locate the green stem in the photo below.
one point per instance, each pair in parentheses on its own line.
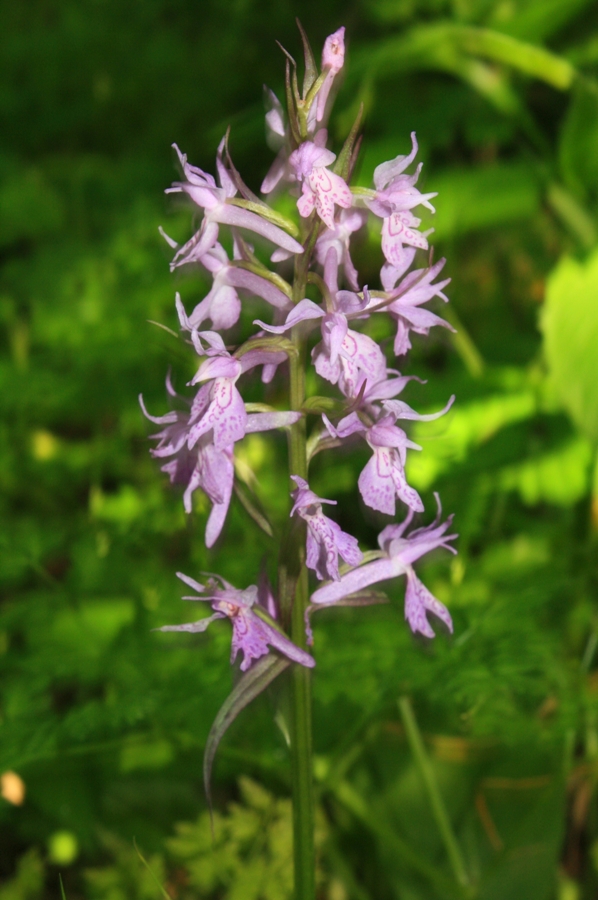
(297,585)
(435,797)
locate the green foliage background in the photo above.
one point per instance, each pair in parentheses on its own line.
(104,721)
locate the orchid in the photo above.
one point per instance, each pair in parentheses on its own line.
(198,462)
(414,289)
(321,188)
(222,304)
(253,633)
(325,539)
(332,249)
(383,478)
(399,552)
(317,321)
(394,198)
(219,209)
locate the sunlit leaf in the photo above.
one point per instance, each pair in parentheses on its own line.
(570,327)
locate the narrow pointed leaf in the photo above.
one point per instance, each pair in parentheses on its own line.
(291,106)
(273,343)
(258,269)
(251,506)
(313,91)
(319,404)
(266,212)
(311,69)
(157,881)
(345,159)
(250,685)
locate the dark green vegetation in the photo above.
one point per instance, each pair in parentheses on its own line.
(105,721)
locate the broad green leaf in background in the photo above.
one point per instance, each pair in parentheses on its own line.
(578,149)
(570,327)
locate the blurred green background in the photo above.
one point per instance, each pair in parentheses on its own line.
(102,723)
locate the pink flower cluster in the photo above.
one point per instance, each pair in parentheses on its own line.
(198,440)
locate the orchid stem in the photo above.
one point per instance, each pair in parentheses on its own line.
(300,711)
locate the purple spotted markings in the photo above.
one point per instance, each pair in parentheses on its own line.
(321,188)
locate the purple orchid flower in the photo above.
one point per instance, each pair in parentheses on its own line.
(343,354)
(198,460)
(325,539)
(218,406)
(393,200)
(253,629)
(333,60)
(321,188)
(337,240)
(276,135)
(383,478)
(203,191)
(413,290)
(399,552)
(222,304)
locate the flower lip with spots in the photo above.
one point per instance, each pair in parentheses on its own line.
(321,189)
(325,539)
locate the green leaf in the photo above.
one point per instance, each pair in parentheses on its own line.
(450,439)
(346,158)
(252,507)
(482,197)
(578,151)
(319,405)
(273,343)
(261,674)
(441,44)
(561,476)
(266,212)
(535,20)
(570,327)
(527,58)
(311,69)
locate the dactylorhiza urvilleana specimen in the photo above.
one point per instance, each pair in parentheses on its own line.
(198,436)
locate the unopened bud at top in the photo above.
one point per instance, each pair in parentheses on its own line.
(333,54)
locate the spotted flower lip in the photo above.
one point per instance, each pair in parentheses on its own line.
(383,478)
(398,552)
(321,189)
(325,539)
(254,632)
(394,197)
